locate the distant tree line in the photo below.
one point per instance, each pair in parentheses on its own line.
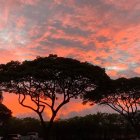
(101,126)
(51,82)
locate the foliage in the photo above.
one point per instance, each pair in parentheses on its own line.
(50,82)
(5,113)
(123,96)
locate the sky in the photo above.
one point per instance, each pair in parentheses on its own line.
(102,32)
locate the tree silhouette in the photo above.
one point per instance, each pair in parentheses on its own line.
(5,113)
(1,97)
(123,96)
(50,82)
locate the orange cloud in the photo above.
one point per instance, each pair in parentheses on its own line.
(137,70)
(11,101)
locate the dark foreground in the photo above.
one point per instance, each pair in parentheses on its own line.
(91,127)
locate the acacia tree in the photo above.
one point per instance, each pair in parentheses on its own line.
(123,96)
(50,82)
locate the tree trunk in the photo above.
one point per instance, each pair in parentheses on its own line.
(135,127)
(50,124)
(44,127)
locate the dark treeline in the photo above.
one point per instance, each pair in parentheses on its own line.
(98,126)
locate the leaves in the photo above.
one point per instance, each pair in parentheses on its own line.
(51,81)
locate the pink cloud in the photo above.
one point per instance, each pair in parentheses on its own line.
(137,70)
(21,21)
(105,33)
(29,2)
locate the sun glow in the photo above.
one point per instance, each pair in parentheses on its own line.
(117,68)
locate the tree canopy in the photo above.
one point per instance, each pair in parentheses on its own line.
(51,81)
(122,95)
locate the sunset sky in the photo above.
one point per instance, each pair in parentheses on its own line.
(102,32)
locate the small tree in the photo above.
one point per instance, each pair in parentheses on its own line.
(123,96)
(5,113)
(50,82)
